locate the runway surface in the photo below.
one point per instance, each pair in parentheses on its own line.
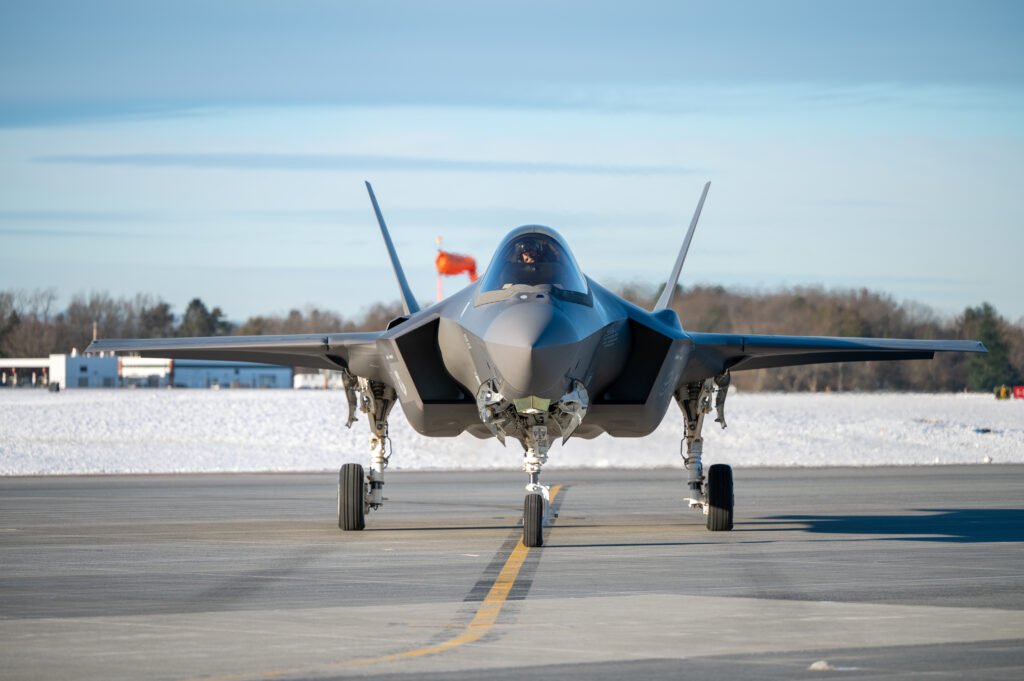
(881,573)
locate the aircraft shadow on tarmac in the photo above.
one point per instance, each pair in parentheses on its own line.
(442,528)
(940,525)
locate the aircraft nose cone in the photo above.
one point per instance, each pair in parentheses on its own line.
(531,325)
(530,344)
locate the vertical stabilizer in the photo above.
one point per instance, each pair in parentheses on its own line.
(409,303)
(665,300)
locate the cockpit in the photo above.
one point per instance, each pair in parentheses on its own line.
(535,256)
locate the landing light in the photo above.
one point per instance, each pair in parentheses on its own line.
(531,405)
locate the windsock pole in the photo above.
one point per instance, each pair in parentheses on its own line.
(440,284)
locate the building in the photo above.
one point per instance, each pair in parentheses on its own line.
(24,371)
(145,372)
(108,371)
(321,379)
(84,371)
(199,373)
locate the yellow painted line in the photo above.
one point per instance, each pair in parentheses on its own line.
(486,617)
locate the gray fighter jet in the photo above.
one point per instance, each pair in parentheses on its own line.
(535,350)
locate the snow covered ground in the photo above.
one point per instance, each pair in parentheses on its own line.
(142,431)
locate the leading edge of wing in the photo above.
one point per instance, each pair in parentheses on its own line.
(740,352)
(313,350)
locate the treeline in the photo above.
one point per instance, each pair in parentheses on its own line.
(820,312)
(32,326)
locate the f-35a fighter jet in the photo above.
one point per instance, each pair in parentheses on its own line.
(535,350)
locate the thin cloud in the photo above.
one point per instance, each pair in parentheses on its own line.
(60,216)
(856,203)
(466,217)
(348,162)
(729,97)
(71,233)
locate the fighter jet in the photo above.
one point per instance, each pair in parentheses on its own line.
(535,351)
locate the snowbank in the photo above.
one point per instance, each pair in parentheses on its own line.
(143,431)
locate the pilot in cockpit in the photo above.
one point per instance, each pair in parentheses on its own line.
(533,250)
(527,254)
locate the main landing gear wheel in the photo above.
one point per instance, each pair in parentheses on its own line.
(533,520)
(351,497)
(720,498)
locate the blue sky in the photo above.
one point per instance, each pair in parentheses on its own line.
(218,149)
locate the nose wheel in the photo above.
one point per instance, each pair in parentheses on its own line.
(533,520)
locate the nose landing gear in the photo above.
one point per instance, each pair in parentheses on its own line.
(529,420)
(538,497)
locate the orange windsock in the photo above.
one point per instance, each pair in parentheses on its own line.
(451,264)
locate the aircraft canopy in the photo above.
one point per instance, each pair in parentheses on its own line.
(534,256)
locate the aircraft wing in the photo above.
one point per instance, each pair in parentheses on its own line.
(355,351)
(314,350)
(716,353)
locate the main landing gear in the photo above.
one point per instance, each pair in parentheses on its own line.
(359,492)
(714,494)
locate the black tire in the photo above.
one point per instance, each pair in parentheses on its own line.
(351,508)
(533,520)
(720,498)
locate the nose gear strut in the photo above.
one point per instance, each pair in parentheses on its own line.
(536,455)
(537,504)
(532,427)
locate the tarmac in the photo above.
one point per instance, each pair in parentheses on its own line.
(863,573)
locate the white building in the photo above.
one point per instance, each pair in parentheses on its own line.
(84,371)
(24,371)
(318,380)
(146,372)
(108,371)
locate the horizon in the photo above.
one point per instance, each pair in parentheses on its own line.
(620,288)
